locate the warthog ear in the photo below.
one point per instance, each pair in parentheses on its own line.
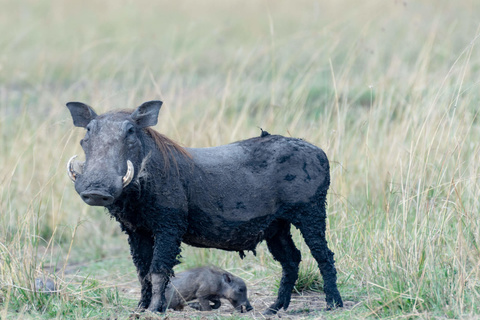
(227,278)
(147,114)
(81,113)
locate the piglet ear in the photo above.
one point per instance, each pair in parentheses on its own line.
(227,278)
(81,113)
(147,114)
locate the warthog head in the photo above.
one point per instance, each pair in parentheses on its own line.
(235,291)
(113,150)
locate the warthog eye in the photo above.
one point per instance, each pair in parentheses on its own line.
(128,128)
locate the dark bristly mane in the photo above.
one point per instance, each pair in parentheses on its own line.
(166,145)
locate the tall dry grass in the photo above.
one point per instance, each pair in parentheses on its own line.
(390,90)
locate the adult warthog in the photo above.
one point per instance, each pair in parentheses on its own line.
(229,197)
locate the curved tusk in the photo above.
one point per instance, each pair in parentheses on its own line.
(127,178)
(71,173)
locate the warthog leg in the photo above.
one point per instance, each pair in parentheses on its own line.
(313,230)
(284,251)
(141,248)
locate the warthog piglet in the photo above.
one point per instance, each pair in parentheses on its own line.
(206,284)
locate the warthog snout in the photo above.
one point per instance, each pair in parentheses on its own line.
(97,198)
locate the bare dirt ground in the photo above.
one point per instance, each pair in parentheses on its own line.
(305,305)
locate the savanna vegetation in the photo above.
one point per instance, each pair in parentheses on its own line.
(389,89)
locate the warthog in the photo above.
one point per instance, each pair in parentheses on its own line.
(45,285)
(206,284)
(229,197)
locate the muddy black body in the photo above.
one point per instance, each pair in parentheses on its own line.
(229,197)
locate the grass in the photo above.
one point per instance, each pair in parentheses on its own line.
(390,90)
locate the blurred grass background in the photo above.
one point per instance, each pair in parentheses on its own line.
(389,89)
